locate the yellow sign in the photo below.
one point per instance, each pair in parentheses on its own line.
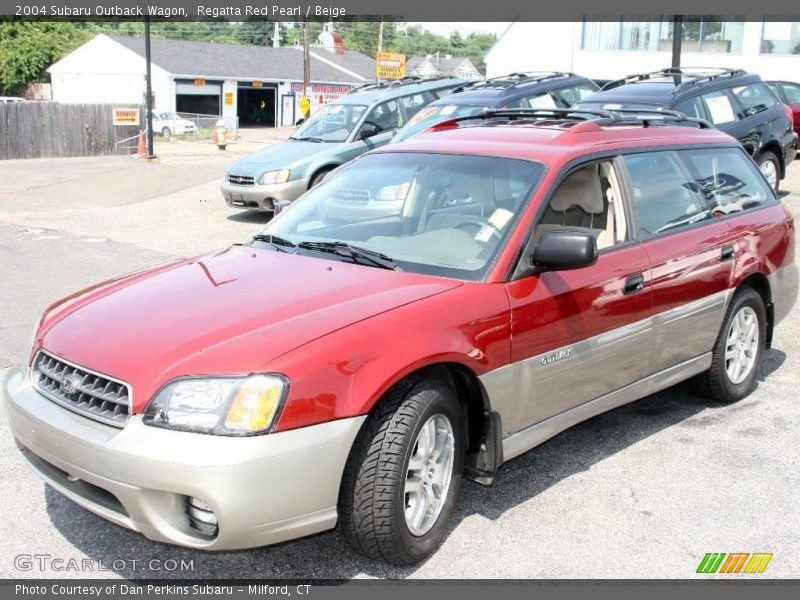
(126,116)
(305,105)
(228,98)
(199,81)
(257,84)
(390,65)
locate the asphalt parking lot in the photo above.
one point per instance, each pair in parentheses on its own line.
(641,492)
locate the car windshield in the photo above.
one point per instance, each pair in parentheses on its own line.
(431,115)
(438,214)
(331,123)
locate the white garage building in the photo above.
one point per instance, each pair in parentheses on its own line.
(258,84)
(611,49)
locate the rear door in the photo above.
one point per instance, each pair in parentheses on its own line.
(756,112)
(724,112)
(578,335)
(691,252)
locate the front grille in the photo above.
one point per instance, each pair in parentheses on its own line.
(241,180)
(90,394)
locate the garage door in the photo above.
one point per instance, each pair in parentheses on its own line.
(195,97)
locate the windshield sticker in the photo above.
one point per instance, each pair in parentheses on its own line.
(543,101)
(720,109)
(448,110)
(423,114)
(485,233)
(500,217)
(335,108)
(612,106)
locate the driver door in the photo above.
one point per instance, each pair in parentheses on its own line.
(387,118)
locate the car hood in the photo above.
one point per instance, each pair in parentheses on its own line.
(279,156)
(230,312)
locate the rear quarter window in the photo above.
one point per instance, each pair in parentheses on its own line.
(720,108)
(753,98)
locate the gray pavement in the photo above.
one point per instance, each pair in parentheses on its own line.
(641,492)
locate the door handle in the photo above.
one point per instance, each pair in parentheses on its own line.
(727,253)
(634,283)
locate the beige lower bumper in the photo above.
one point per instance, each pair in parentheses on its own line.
(263,489)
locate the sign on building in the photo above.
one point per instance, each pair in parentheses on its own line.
(126,116)
(321,93)
(390,65)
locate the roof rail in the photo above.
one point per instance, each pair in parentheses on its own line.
(565,116)
(697,75)
(393,83)
(511,80)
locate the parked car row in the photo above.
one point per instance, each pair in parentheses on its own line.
(736,102)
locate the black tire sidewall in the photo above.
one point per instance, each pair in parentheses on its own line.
(750,298)
(770,156)
(319,178)
(419,547)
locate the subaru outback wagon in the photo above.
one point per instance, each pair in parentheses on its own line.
(361,120)
(737,102)
(538,270)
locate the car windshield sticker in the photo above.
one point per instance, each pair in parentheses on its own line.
(424,114)
(612,106)
(449,109)
(500,217)
(485,233)
(720,109)
(543,101)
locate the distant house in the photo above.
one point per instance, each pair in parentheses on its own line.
(255,83)
(432,65)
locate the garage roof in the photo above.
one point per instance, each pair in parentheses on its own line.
(208,59)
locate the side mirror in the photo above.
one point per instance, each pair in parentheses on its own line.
(565,249)
(367,131)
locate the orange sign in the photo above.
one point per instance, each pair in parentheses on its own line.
(257,84)
(199,81)
(125,116)
(390,65)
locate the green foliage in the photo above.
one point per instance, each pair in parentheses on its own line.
(27,48)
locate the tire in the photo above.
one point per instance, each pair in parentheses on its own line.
(717,383)
(373,499)
(165,132)
(318,177)
(770,166)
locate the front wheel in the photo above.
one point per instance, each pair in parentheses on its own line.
(403,475)
(738,350)
(771,168)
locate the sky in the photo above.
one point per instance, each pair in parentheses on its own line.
(447,28)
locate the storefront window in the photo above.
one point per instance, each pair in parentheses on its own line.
(781,38)
(700,34)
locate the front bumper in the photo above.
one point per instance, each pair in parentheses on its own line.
(262,197)
(263,489)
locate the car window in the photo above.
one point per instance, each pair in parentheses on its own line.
(440,214)
(664,194)
(566,97)
(589,198)
(693,107)
(519,103)
(774,87)
(331,123)
(415,103)
(792,92)
(386,116)
(719,107)
(727,179)
(542,101)
(753,98)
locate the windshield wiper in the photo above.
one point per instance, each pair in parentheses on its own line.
(358,255)
(278,242)
(309,138)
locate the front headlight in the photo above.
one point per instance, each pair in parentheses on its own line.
(219,405)
(281,176)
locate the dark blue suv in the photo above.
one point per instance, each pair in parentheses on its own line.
(737,102)
(517,90)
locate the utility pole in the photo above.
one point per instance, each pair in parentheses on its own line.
(306,67)
(148,89)
(677,39)
(380,36)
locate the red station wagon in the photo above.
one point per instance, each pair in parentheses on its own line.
(533,269)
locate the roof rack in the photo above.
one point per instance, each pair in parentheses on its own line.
(571,116)
(512,80)
(702,74)
(393,83)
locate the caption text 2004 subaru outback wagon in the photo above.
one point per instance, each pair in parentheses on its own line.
(492,282)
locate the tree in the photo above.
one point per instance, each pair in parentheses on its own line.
(27,48)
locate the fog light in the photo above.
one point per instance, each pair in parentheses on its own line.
(202,517)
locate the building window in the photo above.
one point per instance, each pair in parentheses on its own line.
(700,34)
(780,38)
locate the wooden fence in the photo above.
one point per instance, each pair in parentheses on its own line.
(49,129)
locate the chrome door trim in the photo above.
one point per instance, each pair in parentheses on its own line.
(521,442)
